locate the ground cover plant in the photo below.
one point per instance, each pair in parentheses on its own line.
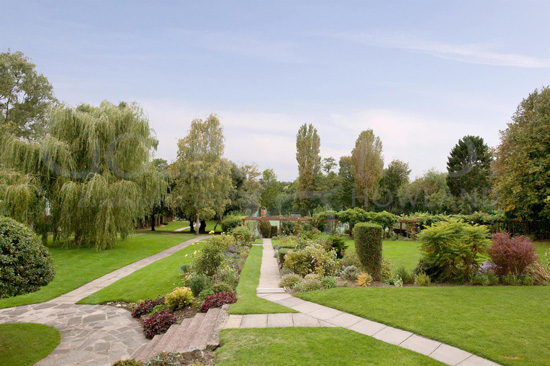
(247,301)
(310,346)
(76,267)
(24,344)
(504,324)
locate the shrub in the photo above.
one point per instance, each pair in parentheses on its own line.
(224,241)
(195,357)
(350,259)
(157,309)
(338,244)
(385,270)
(291,281)
(282,252)
(205,294)
(146,306)
(312,276)
(288,227)
(218,300)
(198,284)
(422,279)
(452,249)
(25,264)
(350,273)
(405,275)
(227,276)
(230,222)
(286,271)
(158,323)
(222,287)
(480,279)
(274,231)
(368,244)
(364,279)
(492,278)
(511,255)
(528,280)
(510,279)
(310,285)
(208,259)
(397,281)
(128,363)
(179,298)
(329,282)
(186,268)
(242,234)
(311,259)
(265,229)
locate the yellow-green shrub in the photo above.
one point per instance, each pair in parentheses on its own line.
(179,298)
(312,259)
(364,279)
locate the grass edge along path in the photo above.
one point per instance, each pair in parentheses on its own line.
(76,267)
(310,346)
(247,301)
(156,279)
(504,323)
(24,344)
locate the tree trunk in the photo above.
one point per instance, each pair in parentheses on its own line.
(202,228)
(152,222)
(191,226)
(197,225)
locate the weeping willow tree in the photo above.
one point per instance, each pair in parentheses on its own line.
(203,176)
(89,180)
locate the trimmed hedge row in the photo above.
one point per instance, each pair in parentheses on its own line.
(368,244)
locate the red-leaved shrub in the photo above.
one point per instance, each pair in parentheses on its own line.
(217,300)
(158,323)
(146,306)
(511,254)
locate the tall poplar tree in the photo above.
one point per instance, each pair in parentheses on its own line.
(204,176)
(367,164)
(89,180)
(309,164)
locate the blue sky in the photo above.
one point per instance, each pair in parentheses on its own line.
(421,74)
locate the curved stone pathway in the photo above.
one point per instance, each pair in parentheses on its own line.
(91,335)
(315,315)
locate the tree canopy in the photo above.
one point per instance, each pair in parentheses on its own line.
(367,164)
(90,178)
(523,160)
(25,97)
(309,163)
(203,175)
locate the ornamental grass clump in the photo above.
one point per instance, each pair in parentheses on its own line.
(368,244)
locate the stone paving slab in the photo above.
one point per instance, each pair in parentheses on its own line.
(280,320)
(420,344)
(474,360)
(449,355)
(392,335)
(254,321)
(344,320)
(304,320)
(233,321)
(367,327)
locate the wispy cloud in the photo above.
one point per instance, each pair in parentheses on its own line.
(474,53)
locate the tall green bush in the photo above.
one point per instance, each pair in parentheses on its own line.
(230,222)
(453,248)
(265,229)
(25,264)
(368,244)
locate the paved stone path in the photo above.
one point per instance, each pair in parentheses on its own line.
(91,335)
(314,315)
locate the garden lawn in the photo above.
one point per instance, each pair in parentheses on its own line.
(507,324)
(543,247)
(247,301)
(24,344)
(310,346)
(172,225)
(78,266)
(158,278)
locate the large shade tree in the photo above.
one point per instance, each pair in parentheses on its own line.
(367,164)
(523,160)
(203,175)
(89,180)
(25,97)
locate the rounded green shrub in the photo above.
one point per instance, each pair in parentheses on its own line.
(230,222)
(312,259)
(179,298)
(209,258)
(368,244)
(329,282)
(198,284)
(265,229)
(242,234)
(290,281)
(25,264)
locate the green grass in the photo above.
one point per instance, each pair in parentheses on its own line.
(310,346)
(248,302)
(156,279)
(25,344)
(542,248)
(172,225)
(509,325)
(78,266)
